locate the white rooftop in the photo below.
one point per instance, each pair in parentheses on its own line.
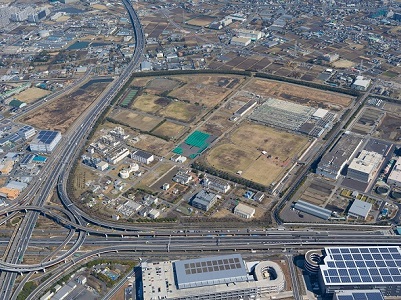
(360,208)
(366,162)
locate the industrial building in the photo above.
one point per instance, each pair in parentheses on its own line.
(361,84)
(335,160)
(254,35)
(359,268)
(142,156)
(204,200)
(182,177)
(313,210)
(313,258)
(45,141)
(395,175)
(365,166)
(359,209)
(118,155)
(219,277)
(26,132)
(245,108)
(244,211)
(240,41)
(216,184)
(358,295)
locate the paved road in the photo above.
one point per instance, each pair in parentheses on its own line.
(61,158)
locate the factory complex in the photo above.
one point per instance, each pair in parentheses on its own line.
(218,277)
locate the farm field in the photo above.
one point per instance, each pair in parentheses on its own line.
(136,120)
(242,152)
(299,94)
(169,130)
(182,111)
(147,103)
(207,90)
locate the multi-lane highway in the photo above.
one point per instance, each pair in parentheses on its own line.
(62,158)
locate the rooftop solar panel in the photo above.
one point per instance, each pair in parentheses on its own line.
(375,265)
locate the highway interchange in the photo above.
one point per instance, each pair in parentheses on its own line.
(112,237)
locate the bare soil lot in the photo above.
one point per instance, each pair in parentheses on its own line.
(159,85)
(207,90)
(201,21)
(149,103)
(61,113)
(298,94)
(170,130)
(136,120)
(182,111)
(32,94)
(389,128)
(242,152)
(154,145)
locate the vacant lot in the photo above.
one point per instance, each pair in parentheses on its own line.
(62,113)
(160,85)
(136,120)
(169,130)
(140,81)
(207,90)
(149,103)
(243,152)
(217,124)
(343,64)
(181,111)
(154,144)
(32,94)
(200,21)
(299,94)
(390,128)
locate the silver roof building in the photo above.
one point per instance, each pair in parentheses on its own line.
(210,271)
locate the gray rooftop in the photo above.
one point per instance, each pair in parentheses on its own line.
(340,153)
(210,271)
(360,208)
(312,209)
(143,154)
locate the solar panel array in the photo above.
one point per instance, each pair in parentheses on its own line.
(365,265)
(359,295)
(212,266)
(47,136)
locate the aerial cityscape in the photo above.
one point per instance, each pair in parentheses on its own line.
(200,149)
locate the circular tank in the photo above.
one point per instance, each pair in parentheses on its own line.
(396,195)
(382,190)
(124,174)
(313,259)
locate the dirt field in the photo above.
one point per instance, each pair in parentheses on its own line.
(154,175)
(389,128)
(181,111)
(61,113)
(201,21)
(242,152)
(154,145)
(138,121)
(159,85)
(343,64)
(207,90)
(31,94)
(218,124)
(81,176)
(170,130)
(140,81)
(150,103)
(298,94)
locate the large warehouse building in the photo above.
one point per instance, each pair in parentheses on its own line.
(358,268)
(219,277)
(395,176)
(365,166)
(335,160)
(45,142)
